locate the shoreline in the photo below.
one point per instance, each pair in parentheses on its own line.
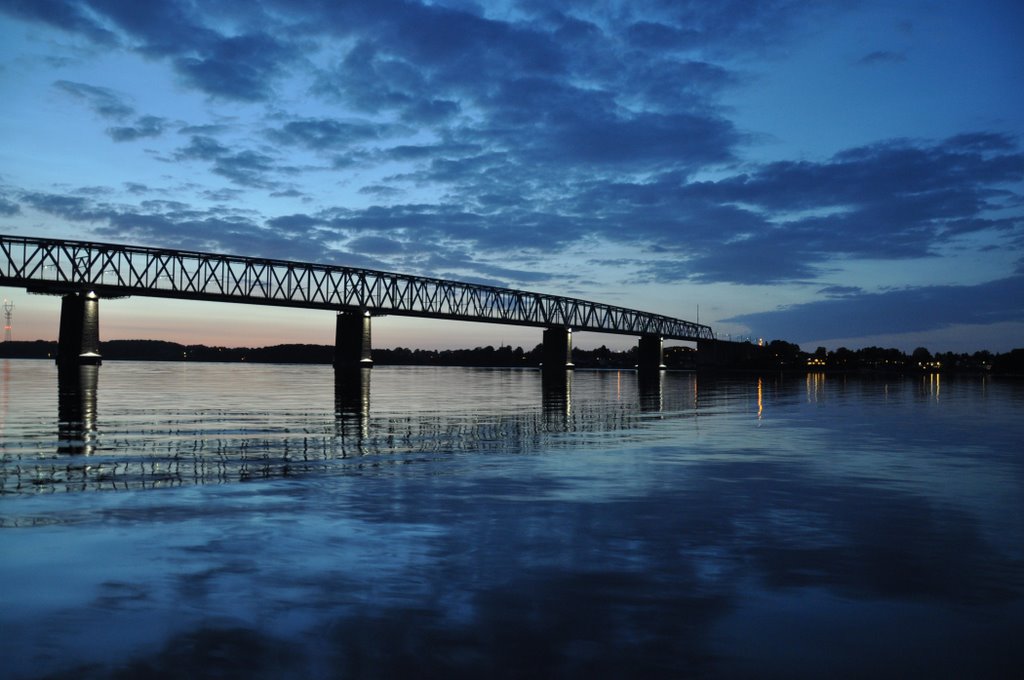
(684,359)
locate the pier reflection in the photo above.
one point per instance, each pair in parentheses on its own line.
(556,391)
(76,409)
(417,416)
(6,380)
(352,402)
(651,385)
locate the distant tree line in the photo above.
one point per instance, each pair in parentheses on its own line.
(159,350)
(787,355)
(601,357)
(775,355)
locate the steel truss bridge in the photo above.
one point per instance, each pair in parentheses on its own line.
(109,270)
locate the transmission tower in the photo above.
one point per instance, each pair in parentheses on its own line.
(8,313)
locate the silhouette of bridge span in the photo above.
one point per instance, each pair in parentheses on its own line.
(84,272)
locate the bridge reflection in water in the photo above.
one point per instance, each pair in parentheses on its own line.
(76,408)
(196,447)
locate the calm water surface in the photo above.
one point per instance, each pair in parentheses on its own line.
(231,520)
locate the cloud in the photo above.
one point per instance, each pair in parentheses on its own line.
(330,134)
(429,64)
(294,223)
(510,275)
(239,67)
(424,60)
(430,111)
(109,104)
(211,231)
(247,167)
(102,100)
(414,152)
(154,28)
(733,26)
(522,78)
(914,309)
(457,46)
(223,194)
(136,188)
(204,148)
(549,120)
(74,208)
(309,238)
(882,57)
(761,260)
(523,231)
(982,141)
(777,222)
(459,265)
(8,208)
(67,15)
(375,245)
(640,139)
(787,221)
(175,224)
(655,35)
(519,134)
(380,190)
(840,291)
(672,85)
(145,126)
(371,83)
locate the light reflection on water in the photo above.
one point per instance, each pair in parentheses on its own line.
(311,419)
(243,520)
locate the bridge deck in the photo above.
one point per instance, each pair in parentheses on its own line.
(110,270)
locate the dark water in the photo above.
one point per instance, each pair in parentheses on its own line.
(183,520)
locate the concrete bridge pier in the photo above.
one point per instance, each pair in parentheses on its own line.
(79,341)
(352,348)
(651,353)
(557,349)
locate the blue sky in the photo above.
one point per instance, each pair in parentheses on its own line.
(828,173)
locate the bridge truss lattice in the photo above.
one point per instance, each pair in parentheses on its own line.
(110,270)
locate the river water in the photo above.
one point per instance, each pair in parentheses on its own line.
(233,520)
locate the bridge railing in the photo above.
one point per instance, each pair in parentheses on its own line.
(59,266)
